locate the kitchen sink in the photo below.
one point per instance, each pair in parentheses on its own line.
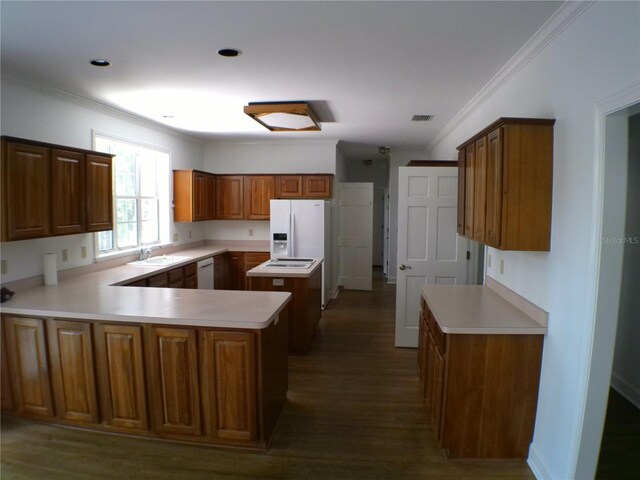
(289,263)
(160,260)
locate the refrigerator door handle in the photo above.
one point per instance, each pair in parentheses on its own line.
(293,234)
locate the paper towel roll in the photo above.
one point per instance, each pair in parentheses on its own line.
(50,268)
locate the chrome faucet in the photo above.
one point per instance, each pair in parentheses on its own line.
(145,253)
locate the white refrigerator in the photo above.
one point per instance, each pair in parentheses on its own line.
(301,229)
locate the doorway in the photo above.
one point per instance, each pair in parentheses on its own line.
(611,237)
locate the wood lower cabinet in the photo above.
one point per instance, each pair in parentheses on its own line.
(159,280)
(175,278)
(229,380)
(481,390)
(303,312)
(172,368)
(221,272)
(237,271)
(508,184)
(6,390)
(191,275)
(72,370)
(28,366)
(121,377)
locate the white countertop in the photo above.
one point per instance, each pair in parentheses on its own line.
(97,296)
(263,270)
(476,309)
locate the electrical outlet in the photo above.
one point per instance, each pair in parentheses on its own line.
(175,236)
(501,266)
(65,255)
(489,261)
(251,232)
(189,233)
(83,252)
(4,266)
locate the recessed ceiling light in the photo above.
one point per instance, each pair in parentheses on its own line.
(100,62)
(229,52)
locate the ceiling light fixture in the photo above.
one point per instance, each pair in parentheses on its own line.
(100,62)
(284,116)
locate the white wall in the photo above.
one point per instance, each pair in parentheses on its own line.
(592,58)
(626,375)
(39,114)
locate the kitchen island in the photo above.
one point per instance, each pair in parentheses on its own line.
(304,282)
(203,366)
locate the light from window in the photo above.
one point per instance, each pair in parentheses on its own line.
(140,195)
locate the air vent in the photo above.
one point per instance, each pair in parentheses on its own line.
(421,118)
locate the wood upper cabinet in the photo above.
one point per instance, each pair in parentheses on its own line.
(194,196)
(512,176)
(316,186)
(28,366)
(99,188)
(229,197)
(462,176)
(26,207)
(172,367)
(68,204)
(228,372)
(470,163)
(288,186)
(72,370)
(479,188)
(120,371)
(303,186)
(258,192)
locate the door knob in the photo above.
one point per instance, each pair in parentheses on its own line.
(404,267)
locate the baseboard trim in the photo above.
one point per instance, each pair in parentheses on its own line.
(625,389)
(537,465)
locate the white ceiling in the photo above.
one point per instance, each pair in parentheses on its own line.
(366,67)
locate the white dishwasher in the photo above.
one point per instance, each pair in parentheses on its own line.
(205,274)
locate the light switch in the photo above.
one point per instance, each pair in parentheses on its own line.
(175,236)
(501,266)
(489,261)
(4,266)
(83,252)
(65,255)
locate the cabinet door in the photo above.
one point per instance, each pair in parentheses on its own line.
(468,186)
(6,391)
(99,193)
(229,197)
(26,183)
(176,278)
(429,375)
(494,188)
(316,186)
(67,192)
(237,272)
(462,174)
(229,379)
(479,189)
(120,371)
(159,280)
(221,272)
(28,366)
(437,392)
(199,196)
(258,192)
(289,186)
(173,371)
(422,349)
(72,370)
(252,260)
(210,197)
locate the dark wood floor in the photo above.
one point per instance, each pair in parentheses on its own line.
(354,412)
(620,449)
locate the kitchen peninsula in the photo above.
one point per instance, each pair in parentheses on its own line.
(204,366)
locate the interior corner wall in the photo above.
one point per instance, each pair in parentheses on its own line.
(340,176)
(565,80)
(626,376)
(45,115)
(398,159)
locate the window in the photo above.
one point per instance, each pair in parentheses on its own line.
(140,196)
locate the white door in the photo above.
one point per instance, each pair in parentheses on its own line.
(429,248)
(355,238)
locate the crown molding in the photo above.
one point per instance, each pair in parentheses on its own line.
(557,23)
